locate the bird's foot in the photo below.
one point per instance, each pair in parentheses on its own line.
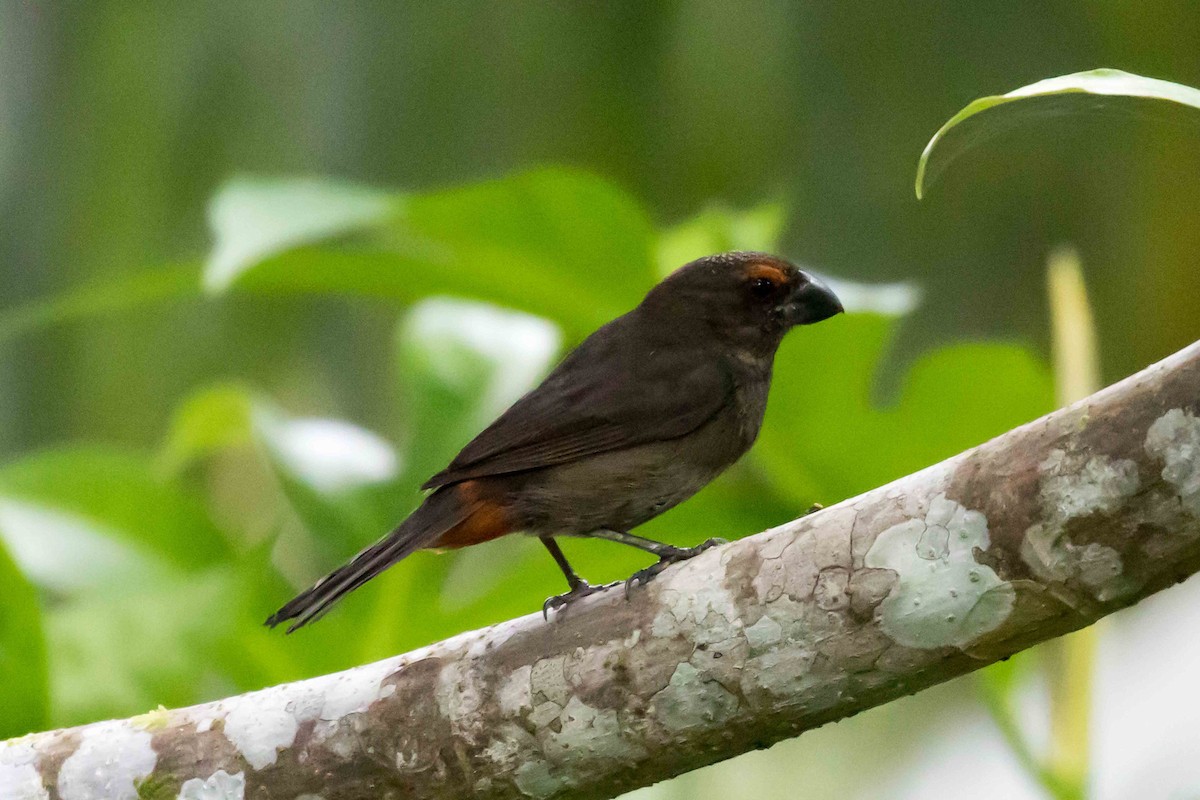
(578,592)
(667,557)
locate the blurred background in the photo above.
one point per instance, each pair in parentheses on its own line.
(264,267)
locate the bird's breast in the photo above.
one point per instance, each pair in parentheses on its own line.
(750,403)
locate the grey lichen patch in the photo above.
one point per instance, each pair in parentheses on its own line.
(537,779)
(1174,438)
(218,786)
(698,605)
(1073,487)
(110,761)
(19,776)
(516,692)
(763,634)
(792,559)
(692,700)
(459,695)
(260,724)
(589,734)
(942,597)
(1054,558)
(782,648)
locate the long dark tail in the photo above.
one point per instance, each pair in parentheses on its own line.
(440,512)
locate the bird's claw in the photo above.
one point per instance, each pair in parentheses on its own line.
(665,559)
(644,576)
(578,592)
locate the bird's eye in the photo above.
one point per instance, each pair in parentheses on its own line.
(762,287)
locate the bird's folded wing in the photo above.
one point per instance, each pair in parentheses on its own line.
(580,411)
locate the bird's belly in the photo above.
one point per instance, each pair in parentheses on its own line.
(623,489)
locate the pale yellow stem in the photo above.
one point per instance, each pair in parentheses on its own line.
(1076,375)
(1076,357)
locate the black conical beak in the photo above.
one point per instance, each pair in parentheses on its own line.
(812,302)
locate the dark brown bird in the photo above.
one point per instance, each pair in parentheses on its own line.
(645,412)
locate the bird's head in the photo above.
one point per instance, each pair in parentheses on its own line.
(748,297)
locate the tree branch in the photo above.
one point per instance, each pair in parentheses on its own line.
(1038,532)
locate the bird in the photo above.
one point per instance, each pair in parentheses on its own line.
(640,416)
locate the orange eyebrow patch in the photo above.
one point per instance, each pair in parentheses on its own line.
(770,272)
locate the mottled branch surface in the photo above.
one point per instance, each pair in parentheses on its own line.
(1038,532)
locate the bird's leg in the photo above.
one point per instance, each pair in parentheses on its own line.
(579,587)
(667,554)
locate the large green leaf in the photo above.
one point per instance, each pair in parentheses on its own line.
(253,220)
(560,243)
(1051,97)
(24,692)
(824,439)
(120,505)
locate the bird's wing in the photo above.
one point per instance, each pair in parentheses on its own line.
(598,400)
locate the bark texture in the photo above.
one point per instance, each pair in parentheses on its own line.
(1038,532)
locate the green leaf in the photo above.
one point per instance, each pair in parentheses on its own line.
(1053,95)
(211,420)
(718,229)
(253,220)
(114,497)
(65,553)
(559,243)
(124,294)
(24,694)
(824,439)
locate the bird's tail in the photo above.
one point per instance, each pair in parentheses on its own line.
(440,512)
